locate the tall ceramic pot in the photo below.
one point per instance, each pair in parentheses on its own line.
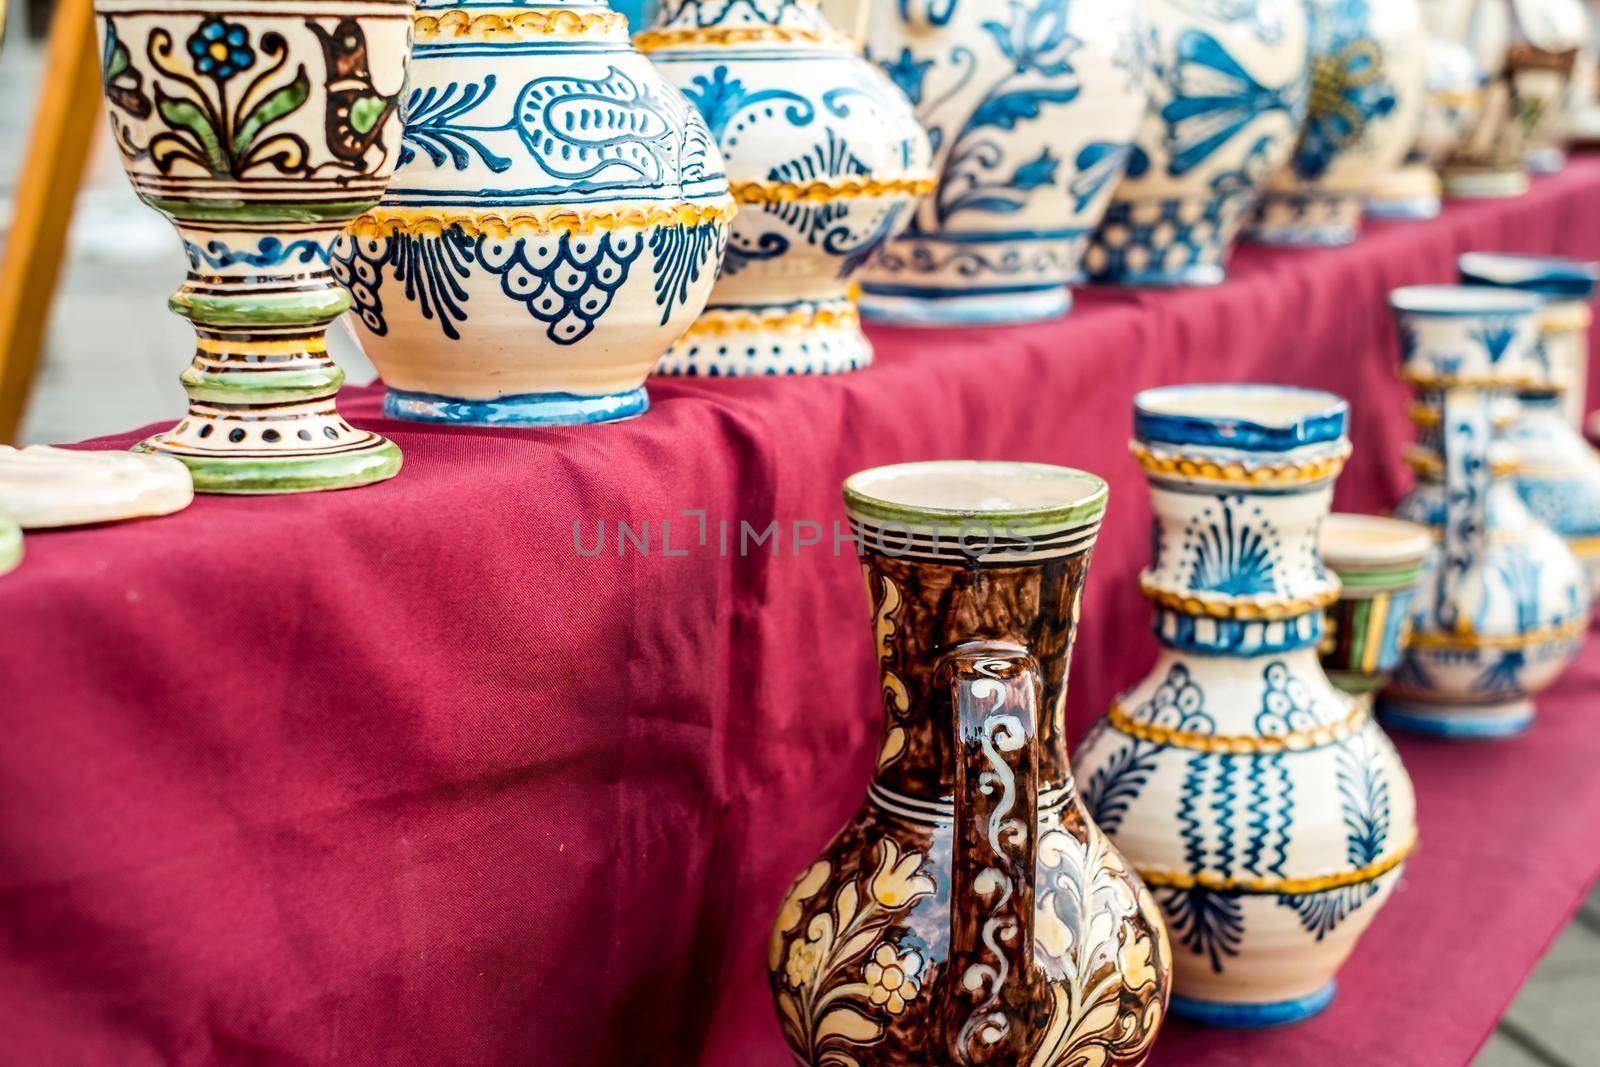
(971,912)
(1454,92)
(1368,60)
(1228,87)
(1558,472)
(1503,603)
(1264,807)
(1032,107)
(556,223)
(827,159)
(260,130)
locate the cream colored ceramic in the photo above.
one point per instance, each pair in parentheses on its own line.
(1367,100)
(42,487)
(1453,104)
(1559,31)
(10,544)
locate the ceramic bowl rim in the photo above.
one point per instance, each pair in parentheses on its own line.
(1463,301)
(1552,277)
(1083,507)
(1324,419)
(1395,545)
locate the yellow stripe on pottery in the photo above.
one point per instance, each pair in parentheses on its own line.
(1250,745)
(723,36)
(1258,609)
(1176,465)
(429,222)
(1157,878)
(826,190)
(1501,642)
(514,25)
(722,323)
(212,346)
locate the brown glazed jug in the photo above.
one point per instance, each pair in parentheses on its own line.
(970,912)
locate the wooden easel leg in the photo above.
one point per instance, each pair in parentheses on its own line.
(63,133)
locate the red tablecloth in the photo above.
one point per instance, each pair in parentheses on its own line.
(398,776)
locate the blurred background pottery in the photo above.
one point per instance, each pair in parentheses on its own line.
(556,223)
(1228,86)
(1265,809)
(260,130)
(1558,472)
(1453,91)
(10,544)
(970,912)
(1032,107)
(1368,60)
(1552,38)
(827,161)
(47,488)
(1378,562)
(1503,604)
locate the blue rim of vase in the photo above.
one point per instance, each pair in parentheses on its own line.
(1231,1016)
(526,410)
(1316,417)
(1394,715)
(1463,301)
(1552,277)
(1197,276)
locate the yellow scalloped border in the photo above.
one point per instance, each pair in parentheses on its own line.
(825,191)
(1159,878)
(1469,642)
(1251,745)
(1439,383)
(1268,475)
(1255,610)
(1429,415)
(724,36)
(723,323)
(1429,465)
(429,222)
(512,25)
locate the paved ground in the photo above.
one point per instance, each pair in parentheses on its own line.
(112,364)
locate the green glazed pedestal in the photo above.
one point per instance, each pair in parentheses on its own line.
(1378,562)
(260,131)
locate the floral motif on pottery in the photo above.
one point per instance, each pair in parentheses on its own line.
(1454,95)
(970,912)
(1558,473)
(1032,106)
(260,131)
(1367,68)
(1228,84)
(556,223)
(1503,604)
(827,160)
(1264,807)
(1378,562)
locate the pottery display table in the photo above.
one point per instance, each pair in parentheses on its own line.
(445,771)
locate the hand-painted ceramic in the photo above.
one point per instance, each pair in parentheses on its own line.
(1032,106)
(1552,28)
(1528,52)
(1228,81)
(1454,102)
(44,488)
(1266,810)
(555,225)
(1378,562)
(10,544)
(1367,96)
(971,912)
(1584,125)
(1503,606)
(1558,473)
(260,130)
(827,160)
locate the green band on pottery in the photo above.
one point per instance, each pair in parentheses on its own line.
(1379,580)
(1089,509)
(265,309)
(213,211)
(292,474)
(275,387)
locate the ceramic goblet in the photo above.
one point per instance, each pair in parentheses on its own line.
(1379,562)
(260,130)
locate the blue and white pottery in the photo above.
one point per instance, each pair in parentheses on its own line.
(1503,604)
(1228,84)
(1367,97)
(1454,92)
(827,161)
(1555,28)
(1266,810)
(1558,472)
(1032,106)
(556,223)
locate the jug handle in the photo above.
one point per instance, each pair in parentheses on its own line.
(1465,445)
(989,986)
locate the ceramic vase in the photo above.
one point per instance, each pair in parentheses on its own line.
(1368,61)
(1228,88)
(556,223)
(1526,50)
(1502,606)
(1558,472)
(1378,562)
(1453,93)
(260,130)
(1032,107)
(827,161)
(1555,32)
(970,912)
(1585,123)
(10,544)
(1266,810)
